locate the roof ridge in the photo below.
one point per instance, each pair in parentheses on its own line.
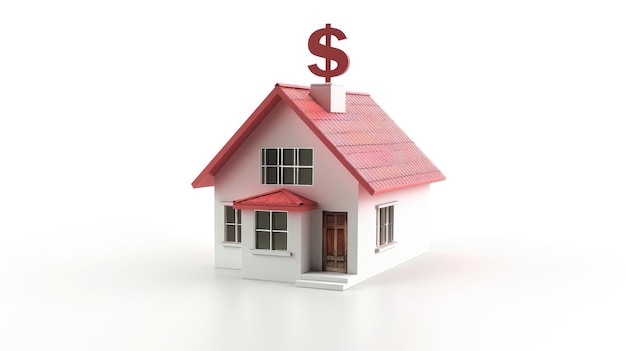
(296,86)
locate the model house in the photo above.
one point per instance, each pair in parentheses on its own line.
(318,187)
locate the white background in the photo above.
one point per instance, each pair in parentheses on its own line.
(109,109)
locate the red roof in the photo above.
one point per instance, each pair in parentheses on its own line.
(281,199)
(364,139)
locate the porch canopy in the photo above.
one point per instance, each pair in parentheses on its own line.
(277,200)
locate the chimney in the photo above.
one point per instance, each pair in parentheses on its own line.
(330,96)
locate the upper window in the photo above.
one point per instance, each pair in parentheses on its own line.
(232,224)
(287,166)
(384,222)
(271,230)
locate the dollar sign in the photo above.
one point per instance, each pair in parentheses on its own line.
(328,52)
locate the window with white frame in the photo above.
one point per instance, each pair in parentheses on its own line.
(232,224)
(384,223)
(271,230)
(287,166)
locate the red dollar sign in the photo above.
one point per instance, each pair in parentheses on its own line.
(328,52)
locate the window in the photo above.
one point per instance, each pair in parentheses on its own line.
(232,224)
(287,166)
(384,222)
(271,230)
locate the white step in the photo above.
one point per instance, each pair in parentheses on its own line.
(318,284)
(327,277)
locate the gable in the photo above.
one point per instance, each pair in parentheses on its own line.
(364,139)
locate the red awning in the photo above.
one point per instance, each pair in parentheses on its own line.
(278,200)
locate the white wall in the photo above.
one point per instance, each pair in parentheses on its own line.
(305,241)
(410,228)
(226,256)
(334,188)
(277,268)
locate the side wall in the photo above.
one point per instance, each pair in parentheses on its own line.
(334,188)
(410,228)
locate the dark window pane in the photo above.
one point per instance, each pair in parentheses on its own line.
(279,241)
(262,220)
(271,156)
(386,239)
(390,230)
(289,157)
(230,233)
(381,226)
(230,214)
(262,240)
(305,157)
(385,225)
(271,175)
(305,176)
(238,229)
(279,220)
(289,176)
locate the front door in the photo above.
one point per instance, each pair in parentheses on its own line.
(335,255)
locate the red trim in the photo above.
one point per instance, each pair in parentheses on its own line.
(274,207)
(207,176)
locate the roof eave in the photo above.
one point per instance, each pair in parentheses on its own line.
(273,207)
(204,179)
(207,176)
(404,186)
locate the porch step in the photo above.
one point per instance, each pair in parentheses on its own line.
(317,284)
(327,280)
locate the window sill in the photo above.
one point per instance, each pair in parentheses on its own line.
(386,247)
(230,244)
(270,252)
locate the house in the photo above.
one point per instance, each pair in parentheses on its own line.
(319,187)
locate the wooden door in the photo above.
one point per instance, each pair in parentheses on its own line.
(335,240)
